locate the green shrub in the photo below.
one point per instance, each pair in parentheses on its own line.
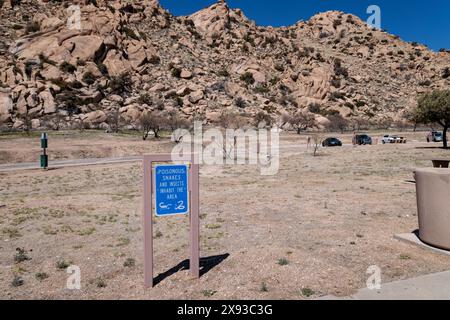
(89,78)
(32,27)
(103,69)
(176,72)
(67,67)
(130,262)
(248,78)
(41,276)
(122,84)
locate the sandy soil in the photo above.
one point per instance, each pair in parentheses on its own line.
(311,230)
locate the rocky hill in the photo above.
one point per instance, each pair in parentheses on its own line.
(133,57)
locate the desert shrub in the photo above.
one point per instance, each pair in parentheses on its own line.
(44,59)
(121,84)
(315,108)
(336,82)
(319,57)
(279,67)
(176,72)
(29,68)
(263,117)
(425,83)
(103,69)
(80,62)
(248,78)
(145,98)
(446,73)
(41,276)
(21,255)
(336,23)
(223,73)
(261,88)
(240,103)
(76,84)
(336,95)
(89,78)
(154,59)
(339,70)
(67,67)
(32,27)
(189,22)
(130,262)
(218,86)
(130,33)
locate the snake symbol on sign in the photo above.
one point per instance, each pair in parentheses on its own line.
(180,206)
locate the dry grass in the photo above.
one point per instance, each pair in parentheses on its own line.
(329,217)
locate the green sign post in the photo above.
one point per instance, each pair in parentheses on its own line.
(44,146)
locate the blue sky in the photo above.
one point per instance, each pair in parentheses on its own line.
(423,21)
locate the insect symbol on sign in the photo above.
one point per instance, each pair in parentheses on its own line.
(164,206)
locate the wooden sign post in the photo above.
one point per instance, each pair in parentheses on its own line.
(173,197)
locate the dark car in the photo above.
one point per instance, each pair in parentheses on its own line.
(362,139)
(332,142)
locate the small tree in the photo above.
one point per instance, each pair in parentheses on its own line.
(149,122)
(317,142)
(175,123)
(263,117)
(114,119)
(435,107)
(122,84)
(230,120)
(26,122)
(337,123)
(55,121)
(302,121)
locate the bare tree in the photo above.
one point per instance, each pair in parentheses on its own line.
(317,140)
(263,117)
(176,123)
(114,120)
(302,121)
(151,122)
(231,120)
(359,123)
(26,119)
(337,123)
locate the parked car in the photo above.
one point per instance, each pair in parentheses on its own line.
(362,139)
(393,139)
(332,142)
(435,136)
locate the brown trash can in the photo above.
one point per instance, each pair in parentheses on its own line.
(433,204)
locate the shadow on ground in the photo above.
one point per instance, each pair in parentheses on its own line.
(206,264)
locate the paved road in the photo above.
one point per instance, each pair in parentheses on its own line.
(98,161)
(68,163)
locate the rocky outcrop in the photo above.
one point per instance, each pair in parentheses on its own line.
(135,57)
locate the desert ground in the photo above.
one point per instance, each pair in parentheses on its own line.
(311,230)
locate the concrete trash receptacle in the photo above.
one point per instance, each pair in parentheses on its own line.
(433,205)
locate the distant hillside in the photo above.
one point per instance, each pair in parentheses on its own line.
(131,57)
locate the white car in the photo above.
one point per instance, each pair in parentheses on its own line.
(393,139)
